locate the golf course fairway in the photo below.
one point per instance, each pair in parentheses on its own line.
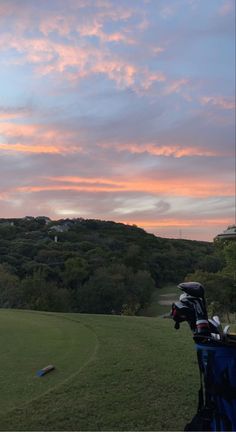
(111,372)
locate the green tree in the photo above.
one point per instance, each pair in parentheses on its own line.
(9,289)
(230,259)
(39,294)
(220,290)
(113,289)
(76,272)
(139,287)
(133,257)
(210,263)
(104,292)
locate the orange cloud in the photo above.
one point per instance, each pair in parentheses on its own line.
(9,129)
(4,196)
(178,223)
(23,148)
(14,130)
(35,138)
(168,187)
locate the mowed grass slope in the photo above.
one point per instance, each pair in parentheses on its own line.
(112,372)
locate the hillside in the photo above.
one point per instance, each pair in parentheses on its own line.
(112,372)
(90,266)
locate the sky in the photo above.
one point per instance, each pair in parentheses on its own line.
(119,110)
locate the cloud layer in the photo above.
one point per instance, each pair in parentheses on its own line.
(119,110)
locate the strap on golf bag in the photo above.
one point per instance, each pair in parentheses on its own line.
(217,393)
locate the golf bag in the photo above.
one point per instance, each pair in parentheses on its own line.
(216,353)
(217,394)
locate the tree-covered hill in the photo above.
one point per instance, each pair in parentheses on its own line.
(92,266)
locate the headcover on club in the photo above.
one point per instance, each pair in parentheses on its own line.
(183,312)
(194,289)
(191,307)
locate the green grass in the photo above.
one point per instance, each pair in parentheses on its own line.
(30,341)
(112,373)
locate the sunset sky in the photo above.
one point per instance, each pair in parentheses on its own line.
(119,110)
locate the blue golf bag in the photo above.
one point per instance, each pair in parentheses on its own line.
(217,394)
(216,353)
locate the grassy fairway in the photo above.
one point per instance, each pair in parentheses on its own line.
(112,373)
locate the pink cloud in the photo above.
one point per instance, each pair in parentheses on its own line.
(95,28)
(7,113)
(6,9)
(151,77)
(117,70)
(80,58)
(35,138)
(173,150)
(50,57)
(175,86)
(61,24)
(227,8)
(218,102)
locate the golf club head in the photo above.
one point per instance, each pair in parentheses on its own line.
(201,319)
(226,330)
(217,320)
(194,289)
(214,328)
(215,336)
(183,312)
(191,307)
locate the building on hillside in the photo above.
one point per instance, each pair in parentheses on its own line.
(228,234)
(62,226)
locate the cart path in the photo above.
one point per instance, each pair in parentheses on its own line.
(167,299)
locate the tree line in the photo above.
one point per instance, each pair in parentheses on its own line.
(220,284)
(93,266)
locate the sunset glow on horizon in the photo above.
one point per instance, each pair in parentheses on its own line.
(119,110)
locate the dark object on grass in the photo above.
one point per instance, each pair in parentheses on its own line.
(45,370)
